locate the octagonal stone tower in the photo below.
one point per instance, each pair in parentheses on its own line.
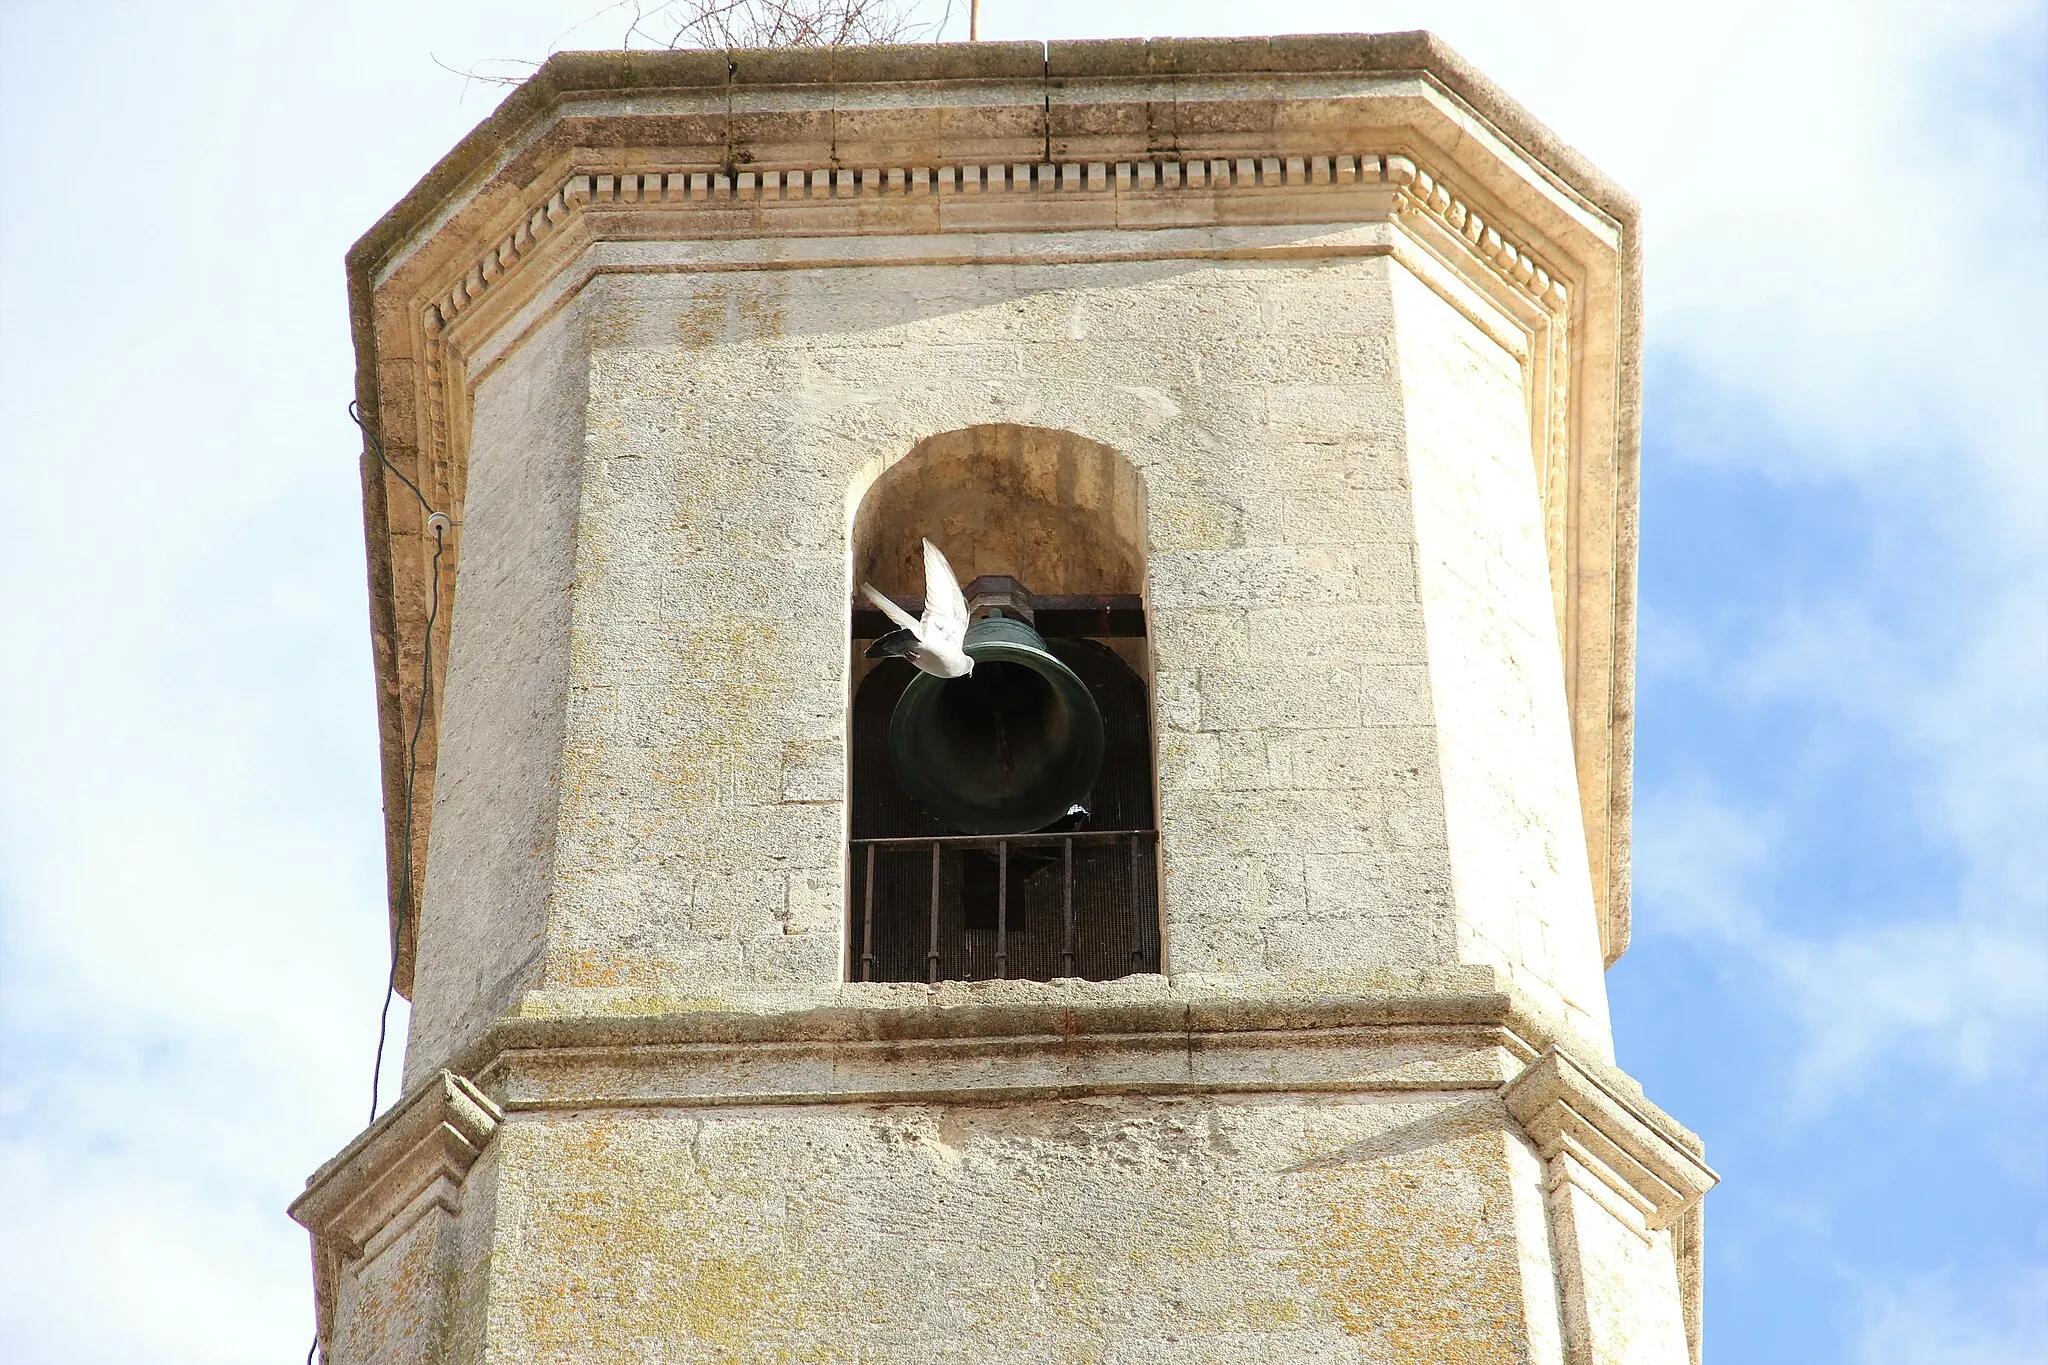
(1300,375)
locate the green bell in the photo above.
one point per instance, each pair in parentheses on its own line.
(1008,749)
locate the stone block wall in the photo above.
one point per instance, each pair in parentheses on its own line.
(1125,1231)
(1511,807)
(497,795)
(1335,733)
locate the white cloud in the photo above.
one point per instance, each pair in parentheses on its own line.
(1929,1320)
(1950,707)
(1961,992)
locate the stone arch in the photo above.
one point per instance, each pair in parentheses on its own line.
(1065,517)
(1059,512)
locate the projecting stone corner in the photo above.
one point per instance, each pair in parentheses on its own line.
(1624,1183)
(375,1209)
(1588,1129)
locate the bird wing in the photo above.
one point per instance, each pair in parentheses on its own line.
(894,612)
(897,644)
(945,607)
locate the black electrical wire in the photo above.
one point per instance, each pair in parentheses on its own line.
(355,414)
(412,750)
(412,769)
(439,523)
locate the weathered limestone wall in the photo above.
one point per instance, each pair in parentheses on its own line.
(1061,514)
(1300,812)
(1365,781)
(1517,843)
(729,414)
(496,795)
(411,1220)
(1360,772)
(1113,1230)
(1019,1171)
(1625,1305)
(421,1292)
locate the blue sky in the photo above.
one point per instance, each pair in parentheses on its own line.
(1840,973)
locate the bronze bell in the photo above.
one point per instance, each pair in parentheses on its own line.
(1008,749)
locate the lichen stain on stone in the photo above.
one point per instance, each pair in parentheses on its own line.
(633,1252)
(743,654)
(586,969)
(1189,520)
(622,1003)
(1416,1258)
(728,317)
(397,1298)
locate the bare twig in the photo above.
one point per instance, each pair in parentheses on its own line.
(724,24)
(476,76)
(777,23)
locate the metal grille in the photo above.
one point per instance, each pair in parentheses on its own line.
(930,905)
(1031,907)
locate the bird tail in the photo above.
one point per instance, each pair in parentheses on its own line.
(896,644)
(889,609)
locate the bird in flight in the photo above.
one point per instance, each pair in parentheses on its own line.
(933,644)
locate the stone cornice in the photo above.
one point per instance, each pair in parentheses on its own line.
(439,1129)
(1647,1168)
(573,78)
(869,1043)
(1445,1032)
(406,1165)
(1020,1066)
(762,195)
(968,142)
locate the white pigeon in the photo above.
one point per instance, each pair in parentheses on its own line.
(933,644)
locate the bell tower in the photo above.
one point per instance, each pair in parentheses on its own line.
(1281,394)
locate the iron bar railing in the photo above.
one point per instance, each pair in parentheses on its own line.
(1026,906)
(1067,906)
(935,912)
(867,924)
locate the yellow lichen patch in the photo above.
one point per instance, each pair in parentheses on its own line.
(584,969)
(399,1298)
(727,317)
(636,1248)
(1191,521)
(1414,1256)
(609,1002)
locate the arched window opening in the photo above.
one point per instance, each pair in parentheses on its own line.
(1046,526)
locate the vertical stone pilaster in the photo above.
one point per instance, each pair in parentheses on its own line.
(388,1267)
(1623,1189)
